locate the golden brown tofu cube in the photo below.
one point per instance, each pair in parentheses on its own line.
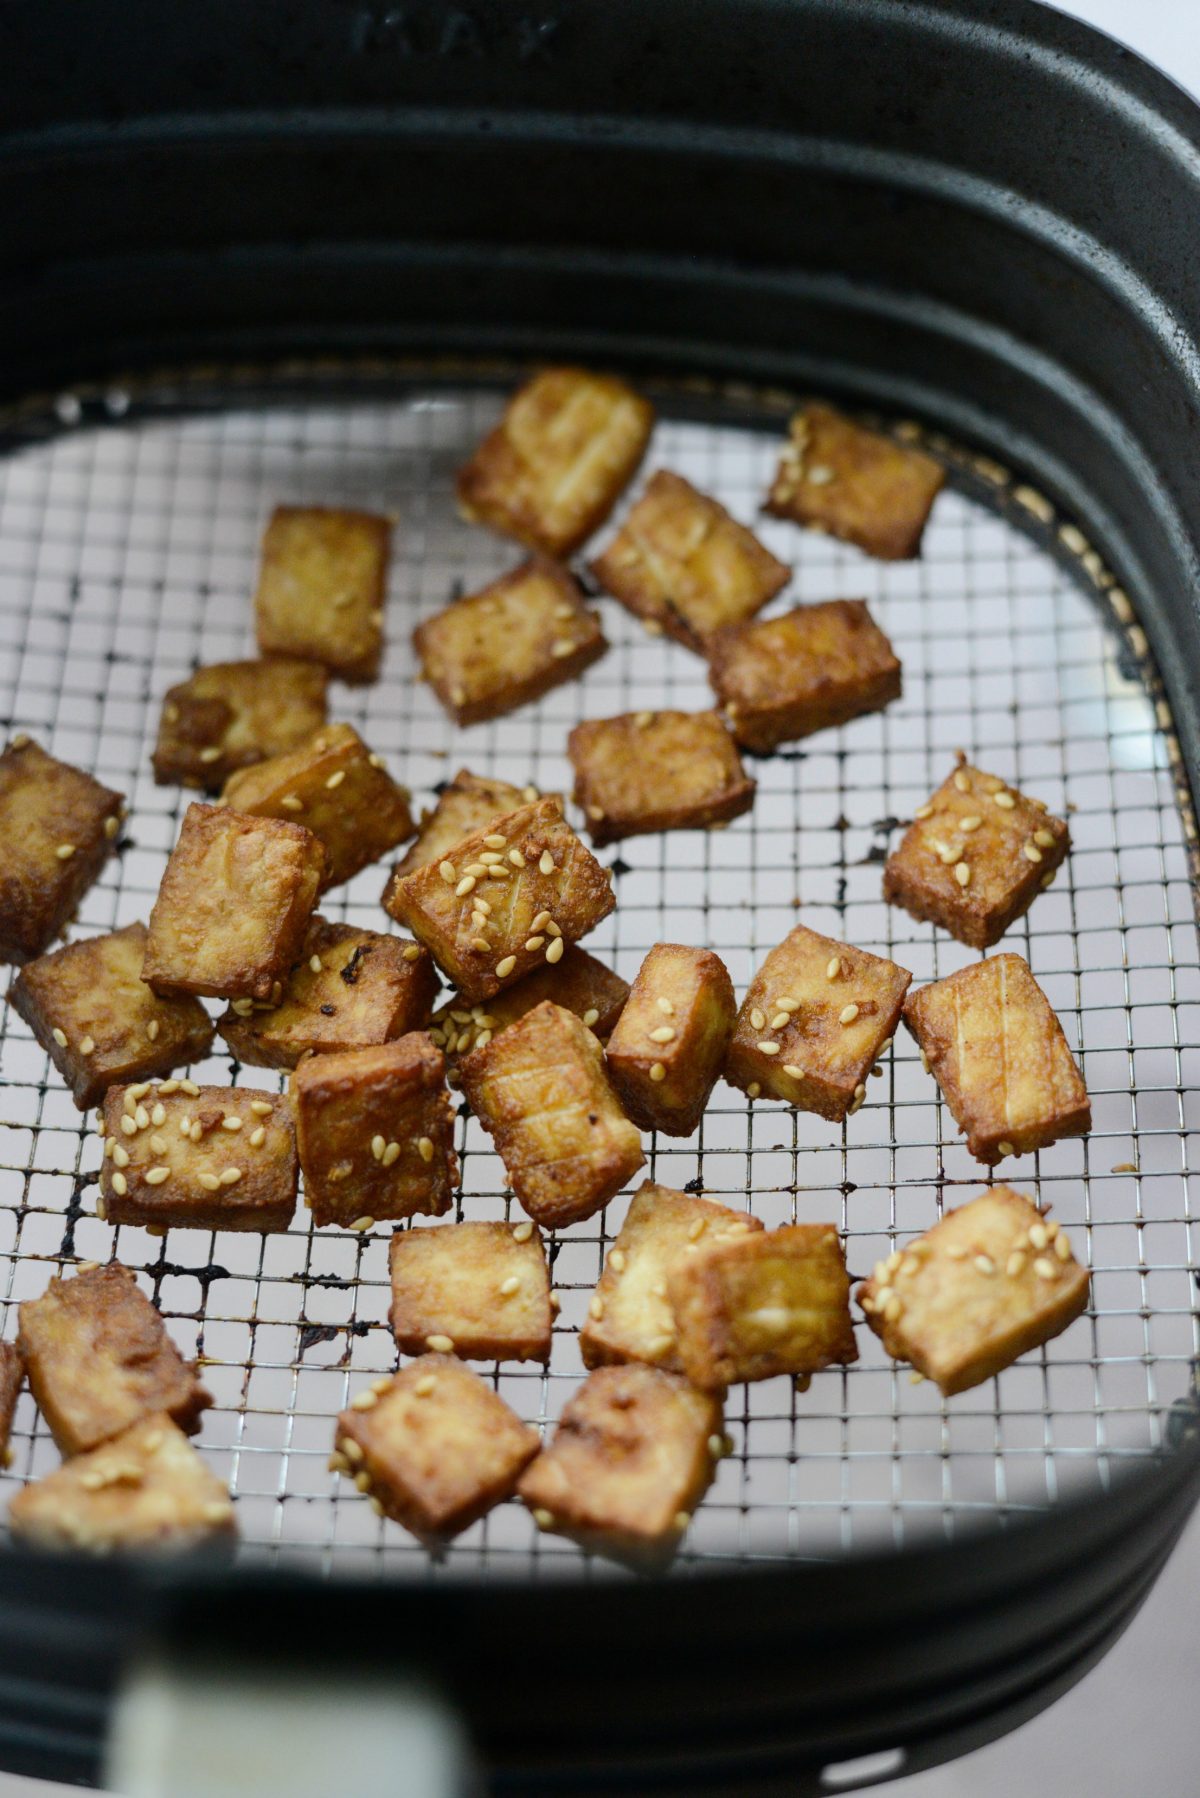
(557,463)
(350,989)
(669,1043)
(147,1489)
(57,829)
(989,1282)
(99,1359)
(634,1453)
(336,788)
(232,714)
(99,1022)
(578,982)
(233,906)
(783,678)
(477,1290)
(511,899)
(752,1306)
(12,1378)
(321,588)
(837,477)
(815,1021)
(506,645)
(975,857)
(630,1317)
(465,806)
(683,564)
(198,1157)
(375,1130)
(647,771)
(996,1049)
(540,1091)
(434,1447)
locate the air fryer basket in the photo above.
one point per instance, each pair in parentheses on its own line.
(250,246)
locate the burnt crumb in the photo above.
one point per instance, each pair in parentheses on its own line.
(440,786)
(327,1280)
(464,1110)
(849,1186)
(840,899)
(695,1186)
(328,1011)
(842,822)
(620,866)
(877,853)
(205,1276)
(74,1212)
(884,826)
(312,1335)
(552,1249)
(350,972)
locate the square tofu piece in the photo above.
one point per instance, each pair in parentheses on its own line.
(434,1447)
(558,461)
(752,1306)
(57,828)
(147,1489)
(477,1290)
(465,806)
(837,477)
(12,1378)
(996,1049)
(234,713)
(321,588)
(509,900)
(684,565)
(336,788)
(578,982)
(630,1317)
(234,905)
(506,645)
(198,1158)
(99,1358)
(648,771)
(815,1021)
(634,1453)
(376,1132)
(669,1043)
(99,1022)
(975,857)
(989,1282)
(540,1091)
(783,678)
(350,989)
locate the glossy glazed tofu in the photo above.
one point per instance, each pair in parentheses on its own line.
(577,982)
(650,771)
(232,714)
(988,1283)
(481,1291)
(670,1041)
(836,476)
(322,586)
(57,830)
(99,1022)
(465,806)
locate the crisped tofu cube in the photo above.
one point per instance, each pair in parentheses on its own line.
(996,1049)
(837,477)
(683,564)
(634,1453)
(647,771)
(375,1131)
(506,645)
(99,1359)
(783,678)
(986,1284)
(467,804)
(198,1157)
(816,1019)
(147,1489)
(540,1091)
(669,1043)
(558,461)
(232,714)
(434,1446)
(57,829)
(321,588)
(975,857)
(99,1022)
(577,982)
(350,989)
(512,898)
(12,1378)
(752,1306)
(477,1290)
(630,1317)
(233,907)
(336,788)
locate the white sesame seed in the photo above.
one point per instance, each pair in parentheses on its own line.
(242,1008)
(505,967)
(411,952)
(364,1401)
(792,1071)
(141,1118)
(591,1016)
(257,1137)
(985,1264)
(390,1154)
(261,1108)
(156,1175)
(1039,1236)
(543,1518)
(448,872)
(664,1034)
(596,1307)
(962,874)
(86,1045)
(292,802)
(516,858)
(1045,1269)
(546,862)
(753,1090)
(541,921)
(158,1145)
(120,1155)
(489,858)
(60,1037)
(209,1182)
(128,1125)
(970,824)
(230,1176)
(335,779)
(833,967)
(961,781)
(362,1224)
(1015,1264)
(195,1131)
(378,1145)
(1062,1248)
(848,1013)
(564,647)
(780,1020)
(533,943)
(424,1148)
(440,1345)
(231,1122)
(1045,838)
(119,1184)
(466,885)
(1004,800)
(555,951)
(923,811)
(65,851)
(481,943)
(522,1231)
(1031,851)
(425,1385)
(658,1072)
(758,1019)
(483,1039)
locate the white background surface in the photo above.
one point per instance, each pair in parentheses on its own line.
(1132,1725)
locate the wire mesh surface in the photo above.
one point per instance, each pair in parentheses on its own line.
(128,557)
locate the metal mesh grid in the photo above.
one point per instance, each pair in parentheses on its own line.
(127,557)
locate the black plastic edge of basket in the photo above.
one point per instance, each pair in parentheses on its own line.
(975,211)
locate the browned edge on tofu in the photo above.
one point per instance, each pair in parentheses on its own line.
(58,827)
(229,715)
(478,1290)
(465,805)
(670,1041)
(322,587)
(850,482)
(12,1378)
(651,771)
(577,981)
